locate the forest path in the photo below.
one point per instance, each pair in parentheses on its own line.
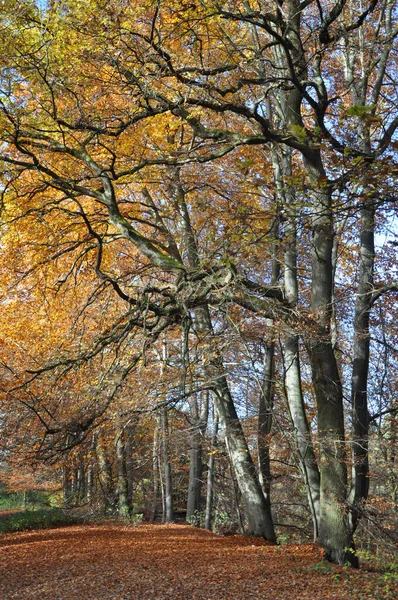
(165,562)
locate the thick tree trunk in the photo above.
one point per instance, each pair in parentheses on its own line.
(359,384)
(235,493)
(258,513)
(334,532)
(366,91)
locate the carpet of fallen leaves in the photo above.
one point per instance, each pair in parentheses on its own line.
(170,562)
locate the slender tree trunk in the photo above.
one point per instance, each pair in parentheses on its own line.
(210,477)
(292,371)
(67,486)
(155,473)
(105,478)
(129,467)
(90,482)
(264,424)
(266,399)
(195,475)
(282,167)
(79,483)
(168,516)
(91,466)
(302,433)
(122,484)
(162,487)
(199,423)
(393,469)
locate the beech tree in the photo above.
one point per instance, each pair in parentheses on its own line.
(176,150)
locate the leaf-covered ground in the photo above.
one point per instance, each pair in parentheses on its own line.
(175,562)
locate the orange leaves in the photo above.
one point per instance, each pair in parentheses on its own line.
(171,562)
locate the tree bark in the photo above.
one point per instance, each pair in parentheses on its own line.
(292,370)
(105,479)
(155,473)
(362,94)
(334,532)
(198,419)
(360,370)
(264,424)
(129,463)
(258,513)
(266,398)
(210,478)
(168,515)
(90,482)
(235,493)
(195,475)
(67,486)
(122,483)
